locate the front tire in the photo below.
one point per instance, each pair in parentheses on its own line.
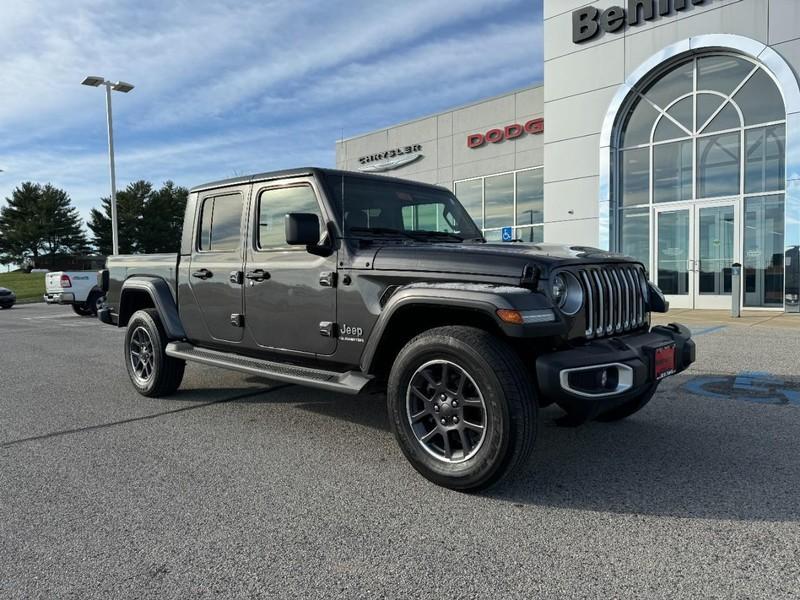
(462,407)
(151,371)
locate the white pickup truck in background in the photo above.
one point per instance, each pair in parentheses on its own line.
(78,288)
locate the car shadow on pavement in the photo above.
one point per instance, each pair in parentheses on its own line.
(665,463)
(726,461)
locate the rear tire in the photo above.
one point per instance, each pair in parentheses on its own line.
(82,309)
(462,407)
(151,371)
(632,406)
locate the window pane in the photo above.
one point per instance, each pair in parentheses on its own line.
(426,217)
(721,73)
(275,204)
(683,113)
(673,85)
(763,251)
(707,105)
(499,200)
(727,118)
(495,235)
(530,197)
(635,176)
(667,130)
(470,193)
(226,223)
(634,234)
(764,159)
(533,235)
(718,159)
(715,258)
(673,252)
(760,101)
(206,213)
(672,172)
(639,124)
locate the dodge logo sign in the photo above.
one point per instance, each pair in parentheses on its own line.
(509,132)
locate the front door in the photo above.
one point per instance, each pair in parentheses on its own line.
(290,294)
(216,265)
(695,247)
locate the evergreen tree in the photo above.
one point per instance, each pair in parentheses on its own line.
(39,222)
(149,220)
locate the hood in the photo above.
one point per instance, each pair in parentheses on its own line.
(5,291)
(502,259)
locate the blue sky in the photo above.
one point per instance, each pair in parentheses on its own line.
(228,87)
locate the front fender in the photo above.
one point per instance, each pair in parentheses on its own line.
(163,301)
(484,298)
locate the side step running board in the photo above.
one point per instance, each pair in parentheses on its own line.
(350,382)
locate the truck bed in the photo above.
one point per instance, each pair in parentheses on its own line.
(123,266)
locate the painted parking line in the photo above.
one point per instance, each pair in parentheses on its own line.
(708,330)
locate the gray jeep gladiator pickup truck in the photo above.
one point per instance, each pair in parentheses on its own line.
(345,281)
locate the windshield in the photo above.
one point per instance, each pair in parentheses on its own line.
(370,207)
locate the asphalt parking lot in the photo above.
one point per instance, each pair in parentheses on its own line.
(238,486)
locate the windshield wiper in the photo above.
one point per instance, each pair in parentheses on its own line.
(446,234)
(382,231)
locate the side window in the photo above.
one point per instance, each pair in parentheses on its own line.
(273,206)
(220,224)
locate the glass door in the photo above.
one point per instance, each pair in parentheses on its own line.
(674,254)
(717,246)
(695,248)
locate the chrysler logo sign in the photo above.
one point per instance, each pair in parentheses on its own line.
(589,20)
(391,159)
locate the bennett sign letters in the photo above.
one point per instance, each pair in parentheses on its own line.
(589,20)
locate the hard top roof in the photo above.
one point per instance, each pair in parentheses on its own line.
(299,172)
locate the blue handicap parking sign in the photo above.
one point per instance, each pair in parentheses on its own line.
(508,234)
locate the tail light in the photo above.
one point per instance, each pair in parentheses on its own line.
(65,281)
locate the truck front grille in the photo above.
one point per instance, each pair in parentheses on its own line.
(614,299)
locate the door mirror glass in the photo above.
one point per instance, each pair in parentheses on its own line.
(302,229)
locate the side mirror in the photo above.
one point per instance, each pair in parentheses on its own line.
(302,229)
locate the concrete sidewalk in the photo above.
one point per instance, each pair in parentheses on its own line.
(749,318)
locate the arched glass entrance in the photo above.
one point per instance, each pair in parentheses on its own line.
(700,180)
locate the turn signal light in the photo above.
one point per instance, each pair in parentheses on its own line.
(511,316)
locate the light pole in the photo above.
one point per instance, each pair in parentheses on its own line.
(117,86)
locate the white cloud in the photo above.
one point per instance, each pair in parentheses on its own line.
(228,86)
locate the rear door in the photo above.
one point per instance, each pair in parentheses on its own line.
(289,293)
(217,262)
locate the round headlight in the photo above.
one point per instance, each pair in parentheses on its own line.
(559,290)
(567,293)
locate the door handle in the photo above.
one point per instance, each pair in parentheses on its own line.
(257,275)
(203,274)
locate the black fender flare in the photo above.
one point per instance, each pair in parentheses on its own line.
(161,295)
(483,298)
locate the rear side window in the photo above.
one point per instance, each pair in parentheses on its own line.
(274,205)
(220,224)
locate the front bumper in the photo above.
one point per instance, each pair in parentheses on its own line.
(630,357)
(8,300)
(59,298)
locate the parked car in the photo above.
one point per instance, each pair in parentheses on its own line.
(7,298)
(76,288)
(346,282)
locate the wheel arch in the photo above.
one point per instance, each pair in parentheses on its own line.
(151,292)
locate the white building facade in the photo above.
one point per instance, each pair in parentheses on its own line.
(668,130)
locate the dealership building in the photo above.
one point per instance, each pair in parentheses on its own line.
(668,130)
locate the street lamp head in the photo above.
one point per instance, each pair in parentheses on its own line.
(121,86)
(93,81)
